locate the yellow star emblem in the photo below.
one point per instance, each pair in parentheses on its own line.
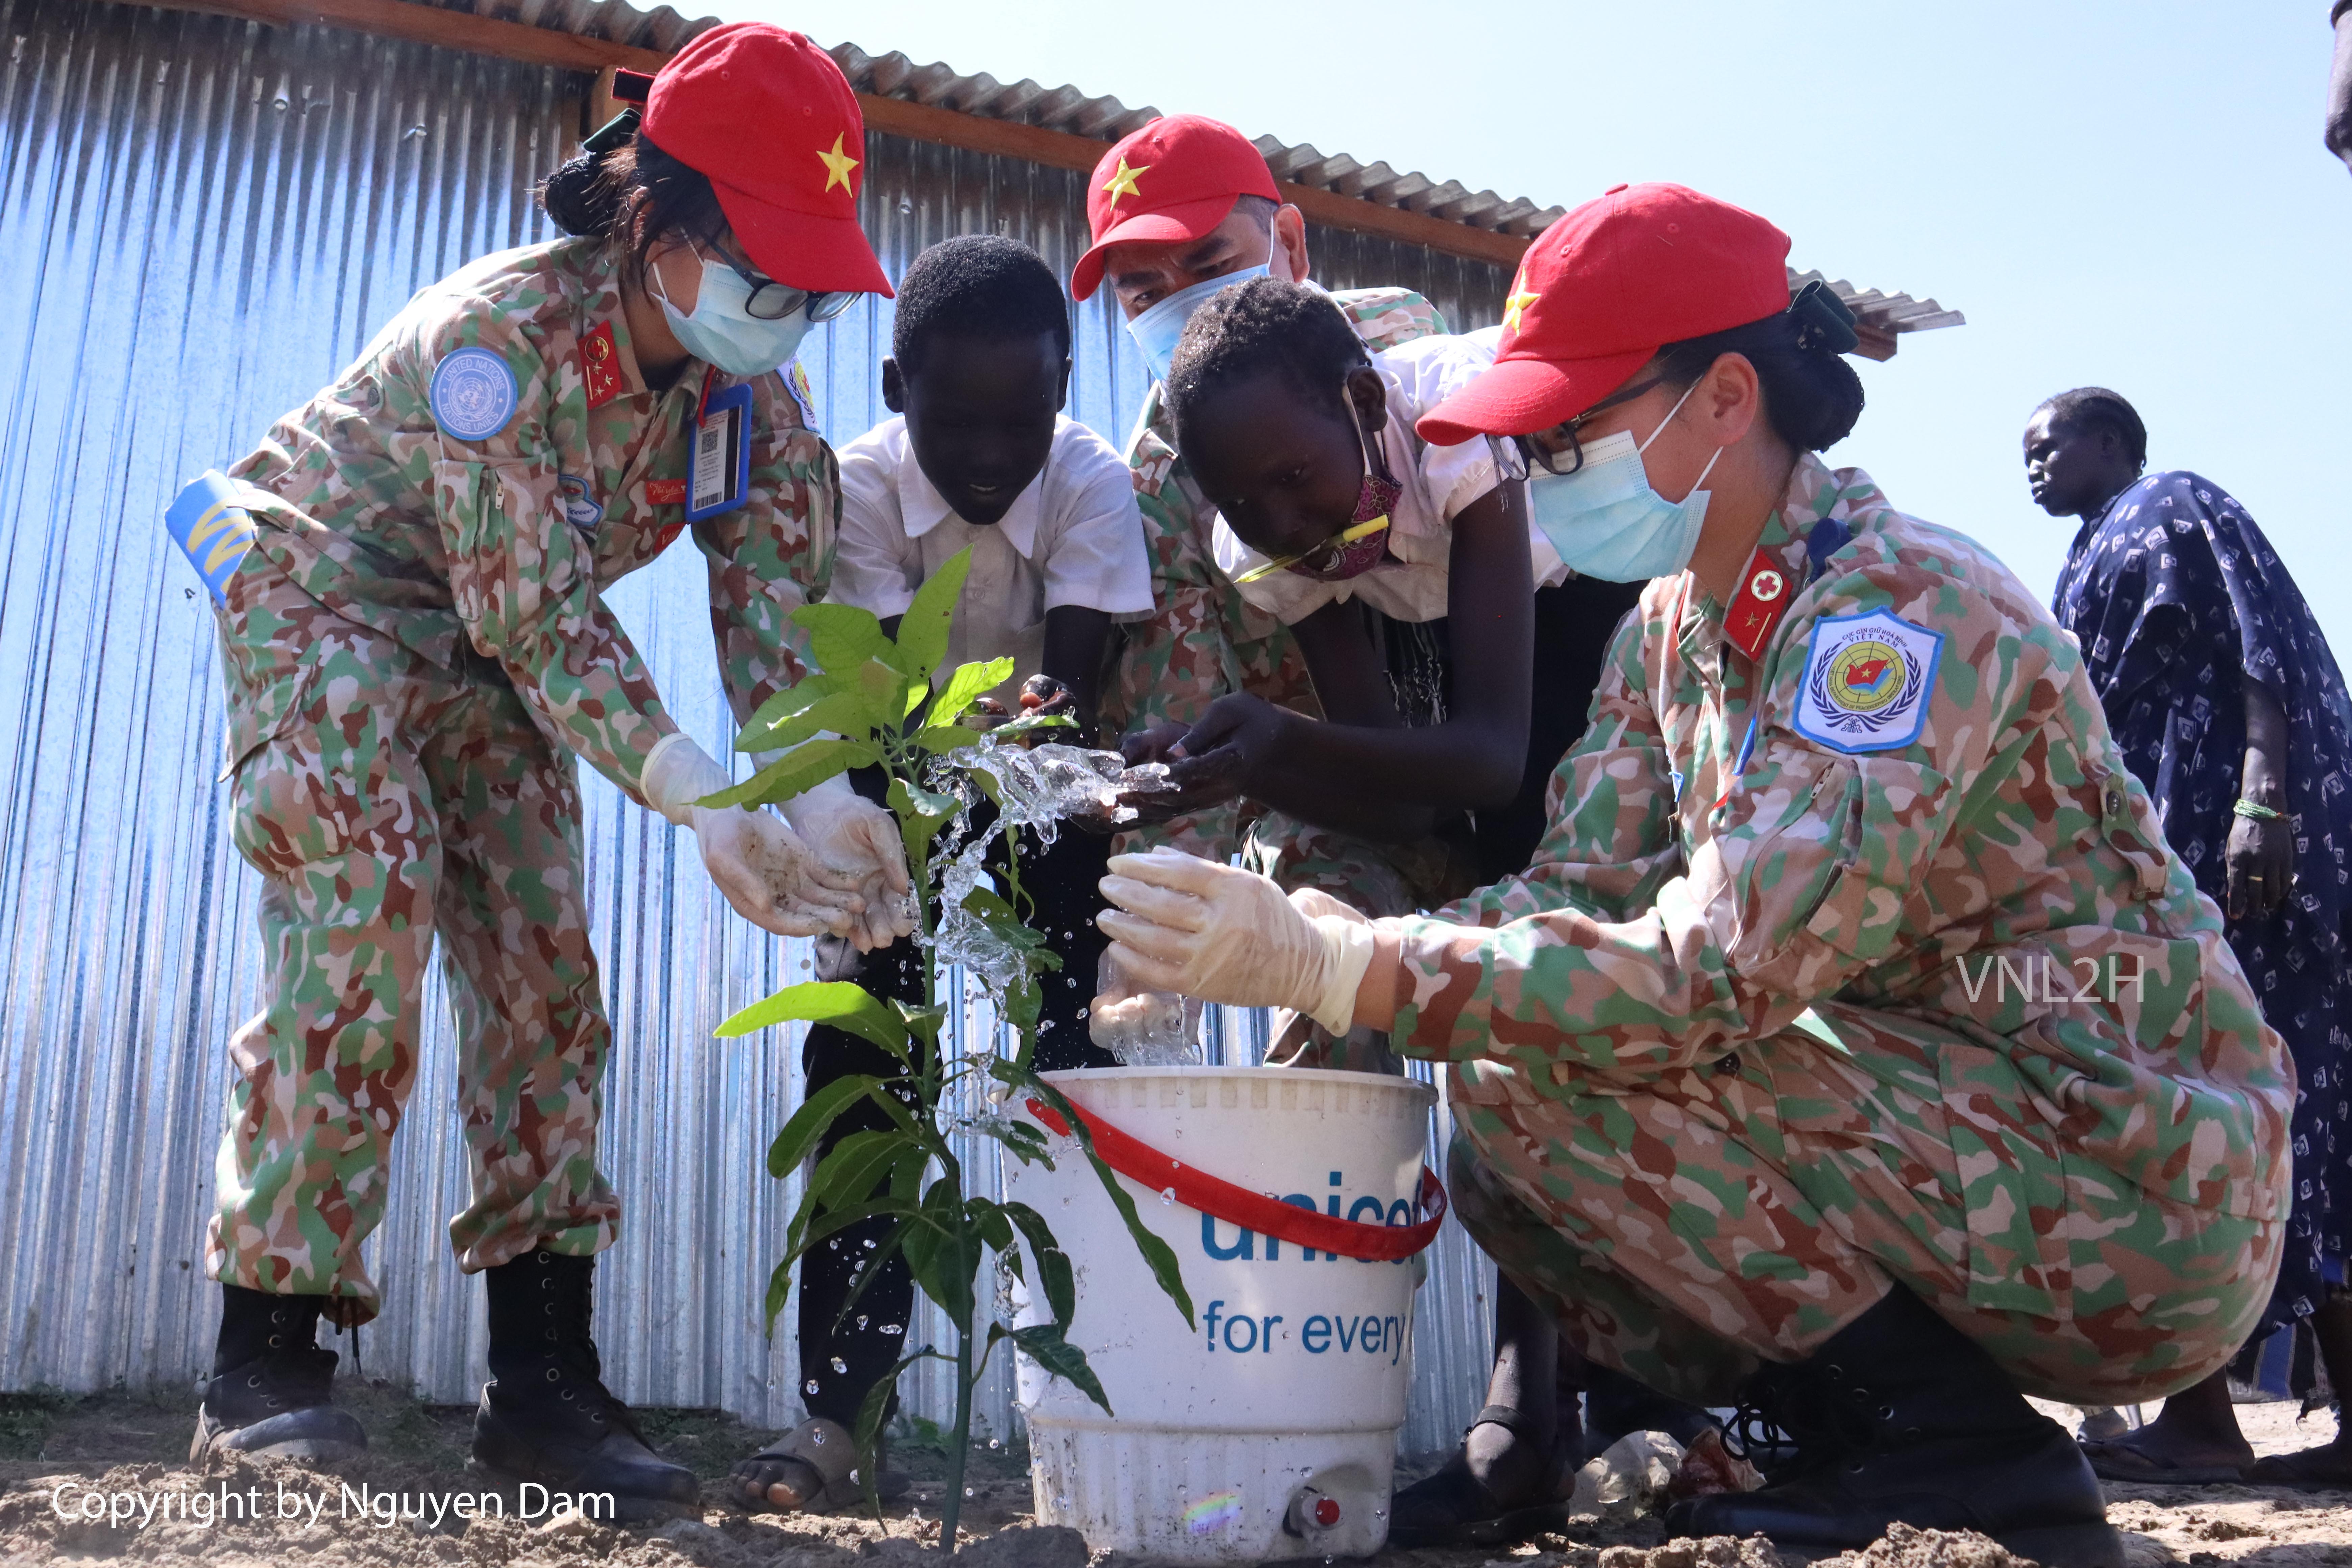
(837,165)
(1513,308)
(1123,182)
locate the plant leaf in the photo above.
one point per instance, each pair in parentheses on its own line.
(1013,729)
(853,1168)
(842,636)
(967,682)
(1043,1343)
(1054,1273)
(1156,1252)
(780,1289)
(869,1424)
(849,714)
(841,1002)
(807,766)
(921,815)
(793,700)
(987,1218)
(923,629)
(808,1123)
(942,738)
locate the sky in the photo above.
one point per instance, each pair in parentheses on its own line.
(2133,196)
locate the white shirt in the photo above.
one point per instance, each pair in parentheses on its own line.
(1439,482)
(1074,536)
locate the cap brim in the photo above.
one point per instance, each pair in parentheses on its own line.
(822,254)
(1520,396)
(1170,224)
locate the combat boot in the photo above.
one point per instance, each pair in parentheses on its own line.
(271,1392)
(1900,1416)
(546,1415)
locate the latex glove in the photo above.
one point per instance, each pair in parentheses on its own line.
(773,880)
(1223,934)
(859,838)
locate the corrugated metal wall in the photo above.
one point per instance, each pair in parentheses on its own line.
(202,220)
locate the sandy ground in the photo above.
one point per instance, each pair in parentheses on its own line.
(115,1444)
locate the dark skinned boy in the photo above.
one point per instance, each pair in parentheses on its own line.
(981,420)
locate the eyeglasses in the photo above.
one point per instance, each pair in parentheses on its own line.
(772,302)
(1558,451)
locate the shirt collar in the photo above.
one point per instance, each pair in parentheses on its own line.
(599,282)
(921,508)
(1793,535)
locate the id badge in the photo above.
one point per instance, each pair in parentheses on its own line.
(718,461)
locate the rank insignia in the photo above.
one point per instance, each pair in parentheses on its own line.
(1755,610)
(600,366)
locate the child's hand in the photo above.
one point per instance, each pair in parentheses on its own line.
(1043,697)
(986,714)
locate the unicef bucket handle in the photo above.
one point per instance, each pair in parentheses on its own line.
(1194,1188)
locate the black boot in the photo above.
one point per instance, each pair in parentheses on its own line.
(272,1388)
(1900,1416)
(546,1415)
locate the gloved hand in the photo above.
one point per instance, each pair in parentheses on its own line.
(1222,935)
(773,880)
(859,838)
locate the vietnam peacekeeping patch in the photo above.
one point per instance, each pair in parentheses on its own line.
(1867,681)
(473,394)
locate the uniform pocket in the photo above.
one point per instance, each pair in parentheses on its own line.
(1893,823)
(512,553)
(285,811)
(2150,859)
(2012,1185)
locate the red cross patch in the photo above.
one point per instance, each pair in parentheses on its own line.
(600,366)
(1755,610)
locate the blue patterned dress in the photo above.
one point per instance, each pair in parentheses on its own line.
(2174,594)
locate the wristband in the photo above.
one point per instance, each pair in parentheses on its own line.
(2258,811)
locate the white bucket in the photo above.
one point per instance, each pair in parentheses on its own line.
(1269,1429)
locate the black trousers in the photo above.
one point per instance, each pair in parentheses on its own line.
(838,1368)
(1574,624)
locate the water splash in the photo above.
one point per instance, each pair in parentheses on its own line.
(1036,789)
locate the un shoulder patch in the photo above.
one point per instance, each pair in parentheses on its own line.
(1867,681)
(473,394)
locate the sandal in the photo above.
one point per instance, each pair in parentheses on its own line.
(2119,1461)
(801,1470)
(2301,1471)
(1454,1507)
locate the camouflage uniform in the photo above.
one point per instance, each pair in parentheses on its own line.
(413,649)
(1203,640)
(1738,1048)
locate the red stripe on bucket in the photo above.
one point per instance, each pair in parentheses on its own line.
(1195,1188)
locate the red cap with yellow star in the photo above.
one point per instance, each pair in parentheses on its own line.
(768,118)
(1603,289)
(1172,180)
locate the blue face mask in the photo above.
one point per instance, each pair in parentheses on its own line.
(1156,331)
(1605,520)
(722,333)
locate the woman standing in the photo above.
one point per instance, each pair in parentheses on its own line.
(416,647)
(1740,1093)
(2229,707)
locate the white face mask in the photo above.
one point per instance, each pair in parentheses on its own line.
(720,332)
